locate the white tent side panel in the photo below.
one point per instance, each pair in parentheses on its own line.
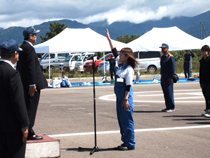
(173,36)
(78,40)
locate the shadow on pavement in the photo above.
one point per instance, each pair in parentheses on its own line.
(88,149)
(184,116)
(147,111)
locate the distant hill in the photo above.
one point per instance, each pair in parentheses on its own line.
(190,25)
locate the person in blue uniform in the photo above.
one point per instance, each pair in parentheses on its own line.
(167,73)
(112,68)
(124,95)
(204,75)
(64,80)
(186,62)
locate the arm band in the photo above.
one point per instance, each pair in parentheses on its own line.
(127,88)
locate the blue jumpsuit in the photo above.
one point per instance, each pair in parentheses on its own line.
(186,64)
(125,118)
(167,71)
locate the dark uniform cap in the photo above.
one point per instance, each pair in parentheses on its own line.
(10,46)
(164,45)
(30,30)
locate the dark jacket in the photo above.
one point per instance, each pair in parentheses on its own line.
(13,112)
(187,57)
(30,69)
(204,72)
(167,65)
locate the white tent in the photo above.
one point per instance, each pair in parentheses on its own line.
(77,40)
(206,41)
(173,36)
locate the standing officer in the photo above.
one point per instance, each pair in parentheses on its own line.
(167,73)
(14,120)
(32,78)
(186,62)
(112,68)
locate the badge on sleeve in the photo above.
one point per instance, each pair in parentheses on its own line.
(119,80)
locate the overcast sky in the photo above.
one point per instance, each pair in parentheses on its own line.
(33,12)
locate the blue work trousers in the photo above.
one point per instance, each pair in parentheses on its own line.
(168,91)
(186,69)
(64,83)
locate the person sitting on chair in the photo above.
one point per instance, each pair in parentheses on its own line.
(64,80)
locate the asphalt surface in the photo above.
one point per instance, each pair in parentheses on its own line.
(67,114)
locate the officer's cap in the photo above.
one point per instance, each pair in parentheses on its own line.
(10,46)
(30,30)
(164,45)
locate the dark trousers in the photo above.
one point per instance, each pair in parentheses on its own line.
(186,69)
(112,70)
(11,145)
(206,94)
(168,91)
(32,105)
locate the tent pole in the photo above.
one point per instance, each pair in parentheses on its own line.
(49,67)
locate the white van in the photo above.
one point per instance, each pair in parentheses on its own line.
(149,61)
(70,61)
(79,66)
(55,60)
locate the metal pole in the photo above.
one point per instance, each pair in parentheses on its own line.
(190,76)
(49,67)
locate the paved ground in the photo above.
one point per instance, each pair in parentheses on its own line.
(67,114)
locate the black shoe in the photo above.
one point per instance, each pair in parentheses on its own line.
(35,137)
(124,147)
(164,110)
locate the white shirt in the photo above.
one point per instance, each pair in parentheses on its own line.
(126,74)
(29,43)
(9,62)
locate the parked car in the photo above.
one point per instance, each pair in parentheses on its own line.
(149,61)
(79,65)
(70,61)
(55,60)
(100,68)
(88,65)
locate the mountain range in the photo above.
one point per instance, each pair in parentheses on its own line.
(190,25)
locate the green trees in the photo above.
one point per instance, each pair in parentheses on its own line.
(127,38)
(55,28)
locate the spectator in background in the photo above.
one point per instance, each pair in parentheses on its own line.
(112,68)
(186,62)
(204,74)
(167,73)
(64,80)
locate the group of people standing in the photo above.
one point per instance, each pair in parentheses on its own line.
(20,92)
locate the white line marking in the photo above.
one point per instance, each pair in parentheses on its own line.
(188,92)
(136,130)
(189,97)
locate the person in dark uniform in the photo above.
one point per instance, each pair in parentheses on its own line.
(186,62)
(112,68)
(124,94)
(204,74)
(32,78)
(167,73)
(14,119)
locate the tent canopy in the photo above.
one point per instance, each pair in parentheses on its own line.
(173,36)
(77,40)
(206,41)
